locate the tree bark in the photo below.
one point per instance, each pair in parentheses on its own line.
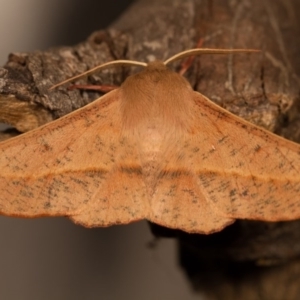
(248,260)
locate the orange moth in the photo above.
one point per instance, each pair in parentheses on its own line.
(152,149)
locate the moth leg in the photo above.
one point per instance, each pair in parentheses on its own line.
(186,64)
(98,88)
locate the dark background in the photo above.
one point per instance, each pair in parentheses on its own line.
(53,258)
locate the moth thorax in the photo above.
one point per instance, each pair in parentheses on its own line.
(156,95)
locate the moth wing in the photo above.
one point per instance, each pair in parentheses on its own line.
(80,166)
(243,170)
(224,168)
(178,202)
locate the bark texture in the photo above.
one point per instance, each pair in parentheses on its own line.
(248,260)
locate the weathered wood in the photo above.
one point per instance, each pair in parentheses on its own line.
(262,88)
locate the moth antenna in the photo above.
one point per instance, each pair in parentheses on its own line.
(101,67)
(200,51)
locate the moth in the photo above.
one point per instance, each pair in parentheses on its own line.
(151,149)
